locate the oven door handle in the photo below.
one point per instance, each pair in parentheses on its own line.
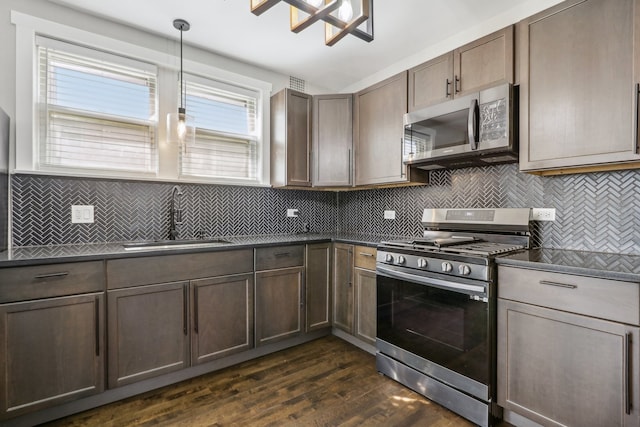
(443,284)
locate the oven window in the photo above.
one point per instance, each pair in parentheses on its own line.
(444,327)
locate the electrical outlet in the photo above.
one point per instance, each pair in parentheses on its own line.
(292,213)
(82,214)
(543,214)
(389,214)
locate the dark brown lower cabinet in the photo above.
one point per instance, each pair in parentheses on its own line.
(148,331)
(564,369)
(343,287)
(318,286)
(222,316)
(52,352)
(279,304)
(365,304)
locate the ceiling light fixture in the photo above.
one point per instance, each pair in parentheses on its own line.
(341,17)
(180,128)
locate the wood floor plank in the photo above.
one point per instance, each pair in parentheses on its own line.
(327,382)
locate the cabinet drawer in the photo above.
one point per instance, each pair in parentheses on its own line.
(279,257)
(365,257)
(53,280)
(122,273)
(606,299)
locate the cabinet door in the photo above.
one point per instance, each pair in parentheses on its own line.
(148,332)
(343,287)
(318,286)
(278,304)
(578,90)
(365,307)
(222,311)
(52,352)
(290,138)
(484,63)
(332,140)
(562,369)
(379,112)
(431,83)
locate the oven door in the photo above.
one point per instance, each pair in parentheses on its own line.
(437,326)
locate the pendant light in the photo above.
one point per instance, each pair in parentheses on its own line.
(180,128)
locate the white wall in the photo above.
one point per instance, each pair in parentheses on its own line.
(508,17)
(60,14)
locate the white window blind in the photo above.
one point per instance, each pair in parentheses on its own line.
(96,110)
(227,143)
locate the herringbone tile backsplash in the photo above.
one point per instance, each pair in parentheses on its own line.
(595,212)
(128,210)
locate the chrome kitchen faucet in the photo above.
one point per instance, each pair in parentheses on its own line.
(175,212)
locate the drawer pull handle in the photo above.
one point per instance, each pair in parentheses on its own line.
(51,275)
(365,254)
(627,372)
(283,254)
(559,285)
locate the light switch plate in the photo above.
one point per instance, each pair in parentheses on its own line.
(82,214)
(292,213)
(389,214)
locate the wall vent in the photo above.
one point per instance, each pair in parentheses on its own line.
(296,83)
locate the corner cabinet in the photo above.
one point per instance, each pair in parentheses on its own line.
(486,62)
(318,286)
(378,133)
(568,348)
(291,139)
(354,288)
(343,287)
(332,140)
(579,72)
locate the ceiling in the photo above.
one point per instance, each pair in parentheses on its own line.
(227,27)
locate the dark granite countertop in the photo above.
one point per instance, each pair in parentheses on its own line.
(33,255)
(593,264)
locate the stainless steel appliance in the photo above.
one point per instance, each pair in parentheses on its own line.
(476,129)
(436,306)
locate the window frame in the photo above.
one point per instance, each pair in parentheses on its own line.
(211,133)
(24,158)
(45,108)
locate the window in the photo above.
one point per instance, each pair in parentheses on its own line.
(99,110)
(95,110)
(227,143)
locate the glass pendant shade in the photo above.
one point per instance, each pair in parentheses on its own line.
(181,130)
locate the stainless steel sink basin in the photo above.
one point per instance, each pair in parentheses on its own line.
(175,244)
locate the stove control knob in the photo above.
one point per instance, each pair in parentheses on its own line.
(464,269)
(447,267)
(401,260)
(389,258)
(422,263)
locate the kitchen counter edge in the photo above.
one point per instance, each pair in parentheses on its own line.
(582,263)
(42,255)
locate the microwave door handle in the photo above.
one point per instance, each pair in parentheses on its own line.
(473,124)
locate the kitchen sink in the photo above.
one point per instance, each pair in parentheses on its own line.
(175,244)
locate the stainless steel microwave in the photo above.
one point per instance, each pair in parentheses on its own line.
(474,130)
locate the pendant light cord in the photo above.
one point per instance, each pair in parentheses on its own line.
(182,94)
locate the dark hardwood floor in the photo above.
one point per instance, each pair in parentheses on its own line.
(327,382)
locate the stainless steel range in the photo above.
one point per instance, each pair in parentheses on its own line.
(436,301)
